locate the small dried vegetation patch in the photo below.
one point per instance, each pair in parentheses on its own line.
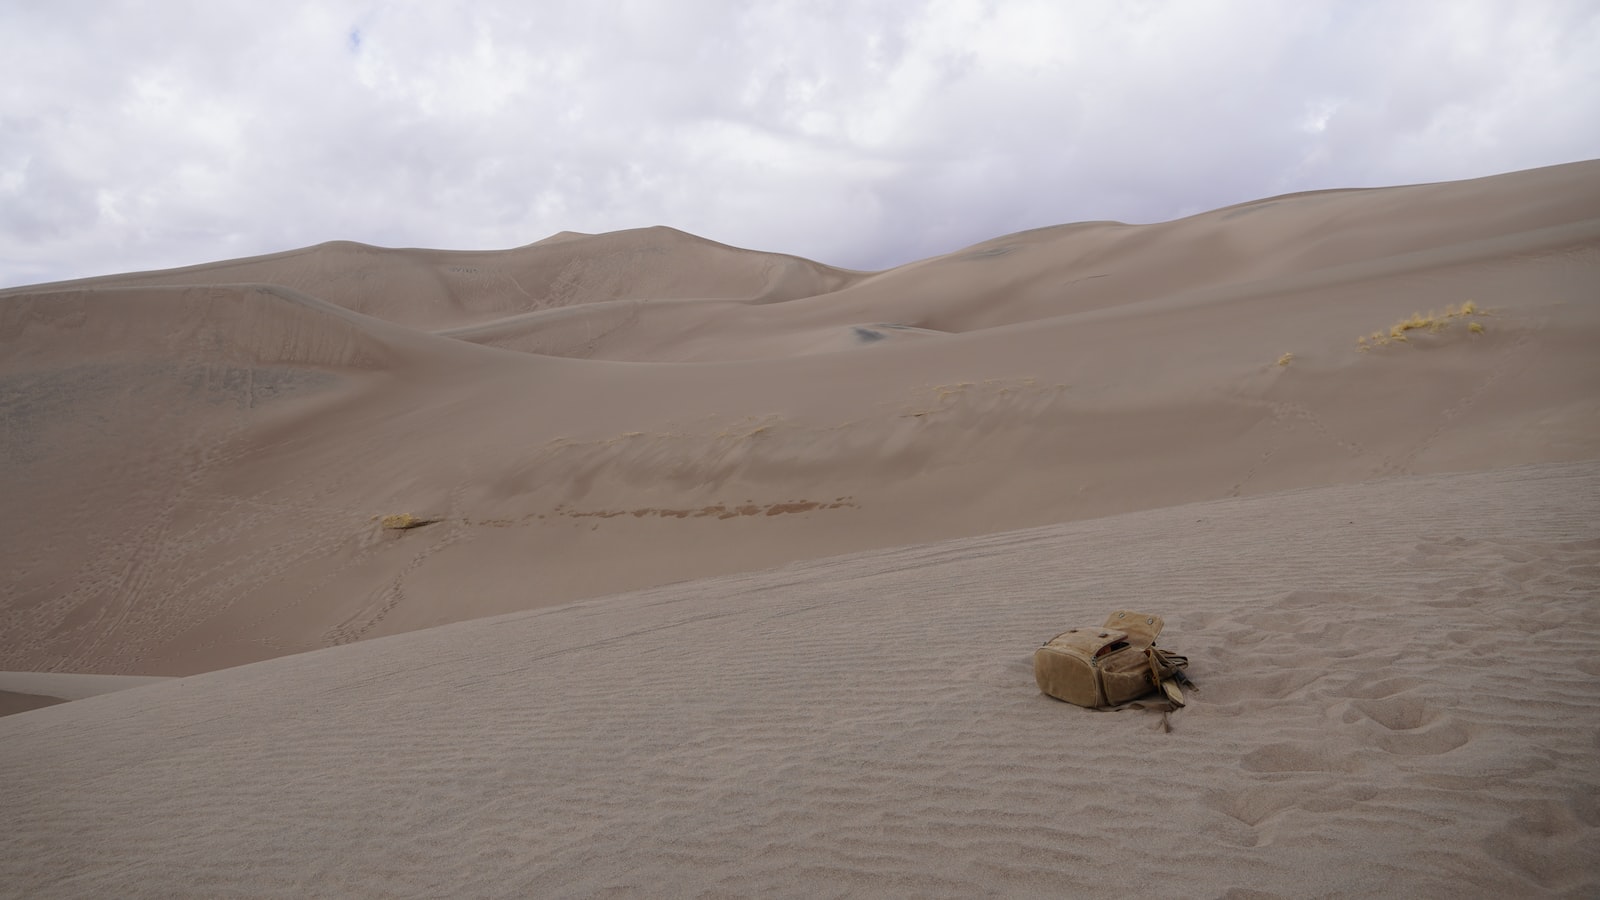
(1431,323)
(404,521)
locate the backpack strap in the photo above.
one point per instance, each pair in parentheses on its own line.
(1160,659)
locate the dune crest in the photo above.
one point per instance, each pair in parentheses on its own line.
(439,289)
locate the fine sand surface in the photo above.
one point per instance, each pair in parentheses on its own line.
(197,463)
(1399,697)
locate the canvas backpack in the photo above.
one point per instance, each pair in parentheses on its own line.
(1111,666)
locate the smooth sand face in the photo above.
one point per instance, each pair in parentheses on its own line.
(198,466)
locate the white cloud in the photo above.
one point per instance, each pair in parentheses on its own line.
(137,135)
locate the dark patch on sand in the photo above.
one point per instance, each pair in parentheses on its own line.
(718,510)
(12,702)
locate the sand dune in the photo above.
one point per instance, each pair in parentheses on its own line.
(205,469)
(1398,693)
(450,289)
(1284,245)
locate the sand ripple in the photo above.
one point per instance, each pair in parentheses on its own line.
(1398,698)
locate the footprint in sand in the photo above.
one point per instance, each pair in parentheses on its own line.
(1407,725)
(1540,841)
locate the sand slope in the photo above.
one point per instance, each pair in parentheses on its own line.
(1398,698)
(22,691)
(203,469)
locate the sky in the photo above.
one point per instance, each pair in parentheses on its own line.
(141,134)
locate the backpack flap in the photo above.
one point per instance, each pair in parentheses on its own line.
(1142,628)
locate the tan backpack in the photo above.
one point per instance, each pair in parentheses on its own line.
(1110,666)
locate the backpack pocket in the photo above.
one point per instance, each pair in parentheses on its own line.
(1069,667)
(1125,675)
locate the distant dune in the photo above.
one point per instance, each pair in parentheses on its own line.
(444,288)
(1347,441)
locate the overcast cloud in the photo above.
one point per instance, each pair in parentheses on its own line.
(138,135)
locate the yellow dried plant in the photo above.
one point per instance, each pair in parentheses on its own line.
(1433,322)
(404,521)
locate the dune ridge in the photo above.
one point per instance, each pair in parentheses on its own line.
(431,289)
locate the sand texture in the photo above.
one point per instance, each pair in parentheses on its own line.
(637,564)
(1398,697)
